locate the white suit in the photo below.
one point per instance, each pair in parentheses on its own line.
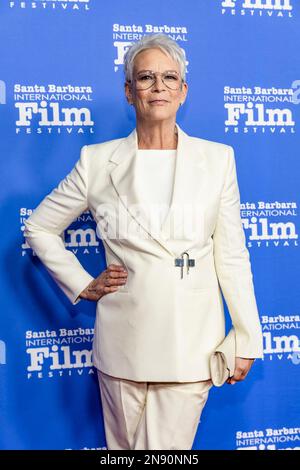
(159,326)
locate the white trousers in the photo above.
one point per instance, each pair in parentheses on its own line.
(151,415)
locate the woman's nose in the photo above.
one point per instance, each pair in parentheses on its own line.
(159,84)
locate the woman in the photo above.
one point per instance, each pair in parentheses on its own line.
(168,210)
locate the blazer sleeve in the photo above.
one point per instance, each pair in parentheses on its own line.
(44,228)
(232,262)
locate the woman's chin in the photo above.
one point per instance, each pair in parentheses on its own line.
(159,114)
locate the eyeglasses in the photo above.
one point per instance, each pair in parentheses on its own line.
(146,79)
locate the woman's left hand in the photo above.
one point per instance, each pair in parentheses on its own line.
(242,367)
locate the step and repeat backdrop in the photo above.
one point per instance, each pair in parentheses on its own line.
(61,87)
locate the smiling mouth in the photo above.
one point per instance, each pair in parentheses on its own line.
(158,101)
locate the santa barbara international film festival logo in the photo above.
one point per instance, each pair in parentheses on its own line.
(57,353)
(270,224)
(281,338)
(259,110)
(284,438)
(56,5)
(124,35)
(80,236)
(265,8)
(53,108)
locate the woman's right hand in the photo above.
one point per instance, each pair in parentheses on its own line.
(108,281)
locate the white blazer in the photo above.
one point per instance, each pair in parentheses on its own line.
(159,326)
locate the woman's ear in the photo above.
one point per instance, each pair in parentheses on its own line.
(185,88)
(128,92)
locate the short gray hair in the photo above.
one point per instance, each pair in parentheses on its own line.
(160,41)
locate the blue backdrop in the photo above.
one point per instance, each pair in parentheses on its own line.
(243,75)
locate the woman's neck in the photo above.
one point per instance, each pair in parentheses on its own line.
(157,137)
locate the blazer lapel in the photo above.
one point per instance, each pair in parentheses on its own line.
(188,177)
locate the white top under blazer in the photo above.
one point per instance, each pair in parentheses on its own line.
(155,178)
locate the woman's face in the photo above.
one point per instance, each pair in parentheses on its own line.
(146,101)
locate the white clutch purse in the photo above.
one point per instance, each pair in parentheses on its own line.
(222,360)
